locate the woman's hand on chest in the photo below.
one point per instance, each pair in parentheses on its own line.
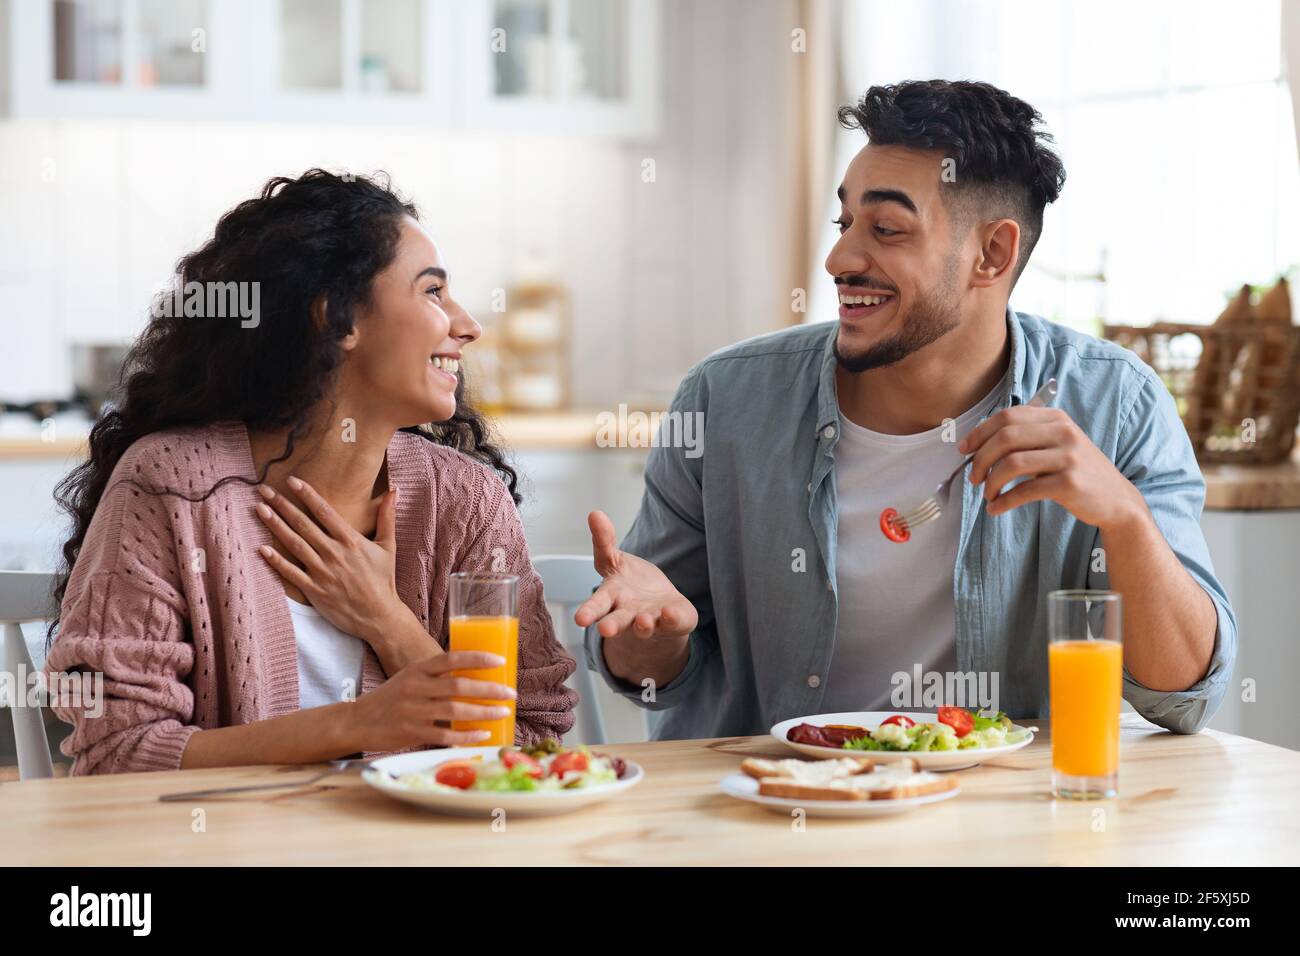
(348,578)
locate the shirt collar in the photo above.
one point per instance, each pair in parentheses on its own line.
(1017,337)
(828,404)
(828,408)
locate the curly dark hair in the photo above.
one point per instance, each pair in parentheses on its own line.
(1001,154)
(318,235)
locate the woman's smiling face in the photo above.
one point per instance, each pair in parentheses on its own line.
(404,354)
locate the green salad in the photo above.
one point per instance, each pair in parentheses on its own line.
(544,766)
(956,729)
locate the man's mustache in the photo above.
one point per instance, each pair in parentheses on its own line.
(869,282)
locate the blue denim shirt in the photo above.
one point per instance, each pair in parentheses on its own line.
(727,527)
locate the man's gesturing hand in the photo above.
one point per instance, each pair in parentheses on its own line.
(635,598)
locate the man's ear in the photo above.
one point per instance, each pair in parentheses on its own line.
(998,253)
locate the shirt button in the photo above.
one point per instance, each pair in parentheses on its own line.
(814,680)
(830,586)
(810,486)
(828,431)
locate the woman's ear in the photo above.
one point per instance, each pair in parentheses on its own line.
(349,341)
(998,253)
(319,320)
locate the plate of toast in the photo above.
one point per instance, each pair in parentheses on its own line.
(840,787)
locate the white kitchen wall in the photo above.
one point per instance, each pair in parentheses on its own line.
(93,215)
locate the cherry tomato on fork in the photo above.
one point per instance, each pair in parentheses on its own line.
(958,718)
(899,719)
(893,528)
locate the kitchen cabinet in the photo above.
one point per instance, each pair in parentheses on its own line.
(119,58)
(31,524)
(565,66)
(1256,557)
(581,66)
(561,486)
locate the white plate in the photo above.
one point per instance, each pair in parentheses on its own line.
(930,760)
(483,803)
(744,787)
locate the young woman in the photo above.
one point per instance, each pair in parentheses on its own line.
(267,520)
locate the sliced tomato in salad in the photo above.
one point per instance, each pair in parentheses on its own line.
(456,773)
(900,719)
(514,758)
(958,718)
(565,762)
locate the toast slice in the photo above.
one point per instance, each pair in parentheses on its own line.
(807,771)
(886,782)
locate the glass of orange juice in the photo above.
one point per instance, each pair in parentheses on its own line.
(1085,660)
(482,615)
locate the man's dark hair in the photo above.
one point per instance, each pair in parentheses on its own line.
(1002,164)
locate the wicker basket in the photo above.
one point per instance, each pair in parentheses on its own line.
(1222,375)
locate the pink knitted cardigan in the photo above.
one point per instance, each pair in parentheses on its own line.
(189,625)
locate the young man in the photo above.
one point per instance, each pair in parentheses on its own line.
(756,584)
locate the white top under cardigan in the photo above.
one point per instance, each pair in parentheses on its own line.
(329,661)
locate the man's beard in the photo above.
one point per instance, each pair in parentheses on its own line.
(931,318)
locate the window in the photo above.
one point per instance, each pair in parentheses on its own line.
(1175,124)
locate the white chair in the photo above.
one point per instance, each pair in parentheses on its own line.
(568,580)
(25,596)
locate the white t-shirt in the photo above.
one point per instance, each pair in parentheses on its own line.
(896,605)
(329,661)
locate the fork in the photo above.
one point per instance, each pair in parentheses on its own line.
(334,767)
(899,527)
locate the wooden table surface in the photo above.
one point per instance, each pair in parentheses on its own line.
(1212,798)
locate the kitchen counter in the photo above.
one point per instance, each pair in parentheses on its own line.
(1227,487)
(1253,487)
(559,431)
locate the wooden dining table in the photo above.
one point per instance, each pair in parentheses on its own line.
(1210,798)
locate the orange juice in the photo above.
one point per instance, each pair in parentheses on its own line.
(1086,682)
(496,635)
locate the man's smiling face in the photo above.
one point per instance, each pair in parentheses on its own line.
(897,262)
